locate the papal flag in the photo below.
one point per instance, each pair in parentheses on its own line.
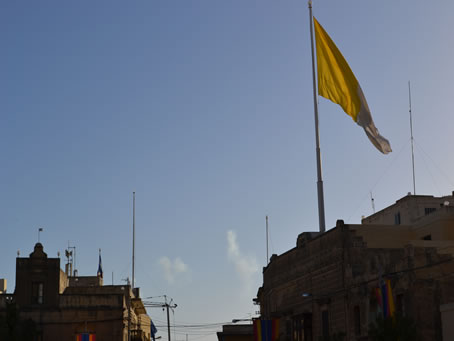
(337,83)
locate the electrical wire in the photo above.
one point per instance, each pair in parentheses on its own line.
(435,164)
(428,170)
(388,167)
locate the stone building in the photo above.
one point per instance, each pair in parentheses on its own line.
(236,332)
(60,307)
(326,284)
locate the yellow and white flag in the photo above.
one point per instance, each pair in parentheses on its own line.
(337,83)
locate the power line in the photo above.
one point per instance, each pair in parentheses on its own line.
(165,304)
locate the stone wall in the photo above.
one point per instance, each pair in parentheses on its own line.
(338,272)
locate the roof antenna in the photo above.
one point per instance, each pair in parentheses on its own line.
(133,234)
(411,134)
(267,257)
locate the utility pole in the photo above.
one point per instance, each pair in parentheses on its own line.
(167,306)
(168,318)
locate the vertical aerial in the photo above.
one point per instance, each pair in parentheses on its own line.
(411,134)
(133,234)
(267,257)
(321,201)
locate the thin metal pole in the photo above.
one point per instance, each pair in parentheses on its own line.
(267,257)
(168,321)
(129,310)
(168,317)
(133,234)
(411,134)
(321,201)
(372,201)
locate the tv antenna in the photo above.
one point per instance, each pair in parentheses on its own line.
(411,134)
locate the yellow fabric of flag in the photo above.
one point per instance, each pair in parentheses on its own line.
(337,83)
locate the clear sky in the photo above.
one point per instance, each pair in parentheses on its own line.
(205,109)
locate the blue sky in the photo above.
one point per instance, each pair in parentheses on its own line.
(204,108)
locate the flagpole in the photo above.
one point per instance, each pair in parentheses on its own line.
(321,202)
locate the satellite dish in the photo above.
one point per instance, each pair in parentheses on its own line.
(446,203)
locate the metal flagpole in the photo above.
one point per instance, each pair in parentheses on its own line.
(39,232)
(321,201)
(411,134)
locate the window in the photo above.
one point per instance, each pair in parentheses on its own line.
(308,327)
(37,292)
(325,324)
(397,218)
(288,330)
(298,330)
(428,237)
(429,210)
(302,327)
(373,309)
(357,319)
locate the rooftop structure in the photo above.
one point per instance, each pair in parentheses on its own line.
(327,284)
(57,307)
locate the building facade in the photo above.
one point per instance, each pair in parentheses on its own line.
(61,307)
(236,332)
(325,287)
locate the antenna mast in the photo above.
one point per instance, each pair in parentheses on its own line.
(267,257)
(411,134)
(72,269)
(133,233)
